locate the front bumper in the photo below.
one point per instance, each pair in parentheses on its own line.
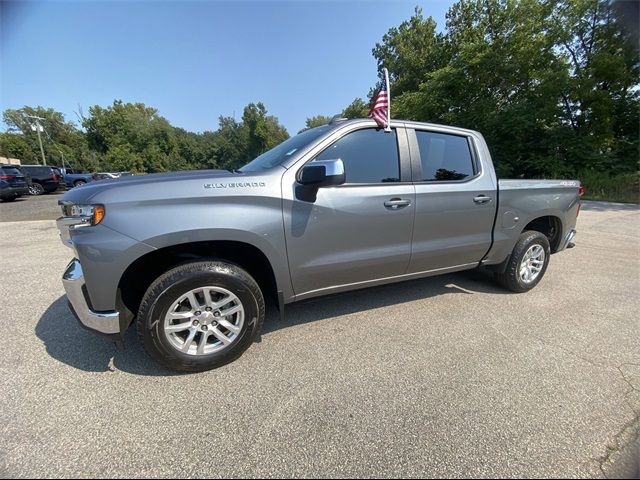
(106,323)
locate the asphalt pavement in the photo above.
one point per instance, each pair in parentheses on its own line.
(449,376)
(41,207)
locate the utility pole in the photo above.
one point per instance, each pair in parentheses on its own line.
(38,128)
(56,146)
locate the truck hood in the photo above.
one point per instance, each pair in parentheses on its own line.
(158,185)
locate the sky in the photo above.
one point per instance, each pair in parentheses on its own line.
(196,60)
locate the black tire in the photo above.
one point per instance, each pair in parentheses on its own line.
(511,279)
(170,286)
(10,199)
(36,189)
(77,183)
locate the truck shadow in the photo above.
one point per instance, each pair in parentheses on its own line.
(339,304)
(72,345)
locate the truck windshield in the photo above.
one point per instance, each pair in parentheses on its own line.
(285,150)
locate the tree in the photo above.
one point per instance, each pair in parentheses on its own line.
(316,121)
(13,145)
(58,134)
(410,51)
(145,140)
(263,132)
(552,85)
(356,109)
(230,144)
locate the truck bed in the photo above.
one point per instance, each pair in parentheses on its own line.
(523,201)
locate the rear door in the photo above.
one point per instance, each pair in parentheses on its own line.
(359,231)
(455,201)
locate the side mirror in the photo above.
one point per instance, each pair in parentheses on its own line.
(323,173)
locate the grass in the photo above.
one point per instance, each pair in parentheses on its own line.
(623,188)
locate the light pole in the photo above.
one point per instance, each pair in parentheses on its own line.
(38,128)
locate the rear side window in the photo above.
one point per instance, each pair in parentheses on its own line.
(39,171)
(444,157)
(369,156)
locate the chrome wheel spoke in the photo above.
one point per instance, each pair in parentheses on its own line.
(225,301)
(178,327)
(208,302)
(230,326)
(221,336)
(189,340)
(192,301)
(180,315)
(230,311)
(203,342)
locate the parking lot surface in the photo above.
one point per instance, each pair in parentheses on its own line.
(41,207)
(448,376)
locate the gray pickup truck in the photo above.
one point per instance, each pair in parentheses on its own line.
(191,256)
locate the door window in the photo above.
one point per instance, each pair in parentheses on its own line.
(369,156)
(444,157)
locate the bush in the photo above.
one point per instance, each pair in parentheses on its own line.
(612,188)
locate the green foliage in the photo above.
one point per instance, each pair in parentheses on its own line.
(13,145)
(59,135)
(134,137)
(410,51)
(553,86)
(316,121)
(261,132)
(356,109)
(618,188)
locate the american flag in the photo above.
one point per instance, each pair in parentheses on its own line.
(380,105)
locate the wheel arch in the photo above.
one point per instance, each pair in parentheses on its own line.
(139,275)
(550,225)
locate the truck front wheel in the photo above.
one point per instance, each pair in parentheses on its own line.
(527,264)
(200,315)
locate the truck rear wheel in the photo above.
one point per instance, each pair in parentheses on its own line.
(200,315)
(527,264)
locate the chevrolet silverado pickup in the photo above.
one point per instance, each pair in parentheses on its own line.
(190,257)
(75,178)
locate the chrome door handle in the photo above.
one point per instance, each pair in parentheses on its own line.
(397,203)
(482,199)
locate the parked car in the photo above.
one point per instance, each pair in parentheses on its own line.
(27,175)
(191,256)
(75,178)
(44,179)
(13,183)
(110,175)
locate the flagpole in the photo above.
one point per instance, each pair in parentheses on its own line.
(386,78)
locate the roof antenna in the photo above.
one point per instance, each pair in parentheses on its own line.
(337,118)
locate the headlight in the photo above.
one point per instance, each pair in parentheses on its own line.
(86,214)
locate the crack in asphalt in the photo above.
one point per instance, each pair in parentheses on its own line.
(631,426)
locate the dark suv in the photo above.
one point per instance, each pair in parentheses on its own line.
(43,179)
(13,183)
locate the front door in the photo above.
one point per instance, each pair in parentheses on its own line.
(356,232)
